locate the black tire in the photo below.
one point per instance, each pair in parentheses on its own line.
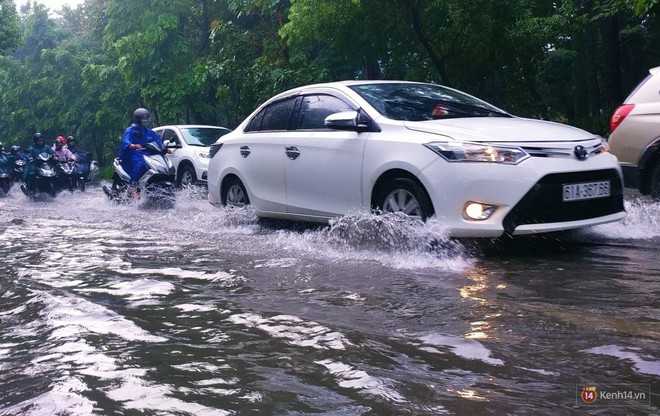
(407,196)
(50,189)
(654,184)
(186,176)
(82,184)
(5,187)
(117,184)
(234,194)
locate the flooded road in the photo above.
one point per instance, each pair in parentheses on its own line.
(199,311)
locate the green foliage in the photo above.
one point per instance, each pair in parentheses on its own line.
(9,30)
(83,72)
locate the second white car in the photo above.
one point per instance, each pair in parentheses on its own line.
(191,159)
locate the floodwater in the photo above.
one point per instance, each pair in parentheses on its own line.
(110,309)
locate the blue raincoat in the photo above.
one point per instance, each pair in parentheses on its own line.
(132,160)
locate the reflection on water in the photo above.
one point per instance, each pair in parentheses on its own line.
(200,311)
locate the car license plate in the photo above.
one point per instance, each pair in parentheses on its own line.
(587,190)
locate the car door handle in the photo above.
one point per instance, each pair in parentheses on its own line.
(245,151)
(293,152)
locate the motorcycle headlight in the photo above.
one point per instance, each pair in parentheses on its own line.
(478,152)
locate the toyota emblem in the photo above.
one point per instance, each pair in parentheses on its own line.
(580,152)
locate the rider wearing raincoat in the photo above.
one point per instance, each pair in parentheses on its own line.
(33,152)
(135,137)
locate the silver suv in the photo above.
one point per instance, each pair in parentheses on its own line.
(635,136)
(191,159)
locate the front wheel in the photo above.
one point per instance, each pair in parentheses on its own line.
(234,194)
(5,186)
(406,196)
(655,182)
(51,189)
(187,176)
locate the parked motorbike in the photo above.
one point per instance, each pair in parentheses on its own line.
(45,177)
(6,171)
(156,187)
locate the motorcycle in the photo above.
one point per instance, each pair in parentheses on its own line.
(94,175)
(19,166)
(157,184)
(6,171)
(68,176)
(85,168)
(45,177)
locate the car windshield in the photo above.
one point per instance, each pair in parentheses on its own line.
(419,102)
(203,136)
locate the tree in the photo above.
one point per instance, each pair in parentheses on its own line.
(9,30)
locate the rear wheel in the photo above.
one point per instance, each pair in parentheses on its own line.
(406,196)
(187,176)
(234,194)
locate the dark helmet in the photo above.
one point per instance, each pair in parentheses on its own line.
(58,143)
(142,117)
(15,149)
(70,141)
(37,137)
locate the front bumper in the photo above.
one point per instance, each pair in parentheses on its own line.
(528,195)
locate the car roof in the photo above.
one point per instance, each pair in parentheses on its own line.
(338,85)
(187,126)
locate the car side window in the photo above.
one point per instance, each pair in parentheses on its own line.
(315,108)
(255,123)
(170,135)
(275,117)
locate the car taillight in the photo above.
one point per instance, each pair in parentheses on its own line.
(619,114)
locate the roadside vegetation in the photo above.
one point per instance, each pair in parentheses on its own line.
(83,71)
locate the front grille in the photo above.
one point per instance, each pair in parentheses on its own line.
(592,147)
(543,203)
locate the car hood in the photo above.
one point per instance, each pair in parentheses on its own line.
(501,129)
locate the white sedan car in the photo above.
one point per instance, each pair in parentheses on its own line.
(325,150)
(191,157)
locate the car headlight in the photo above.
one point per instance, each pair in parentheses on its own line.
(478,152)
(202,155)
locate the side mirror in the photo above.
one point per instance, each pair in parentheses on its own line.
(350,120)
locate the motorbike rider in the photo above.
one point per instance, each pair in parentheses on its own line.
(62,152)
(4,156)
(15,154)
(137,135)
(39,146)
(83,157)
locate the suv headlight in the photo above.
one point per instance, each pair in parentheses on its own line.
(478,152)
(202,155)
